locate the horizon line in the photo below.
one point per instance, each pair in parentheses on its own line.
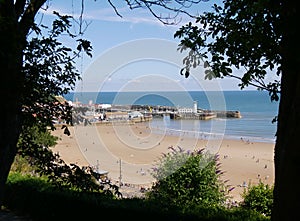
(163,91)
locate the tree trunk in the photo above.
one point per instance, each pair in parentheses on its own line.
(8,141)
(287,148)
(10,88)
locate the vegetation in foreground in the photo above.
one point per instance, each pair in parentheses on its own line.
(191,192)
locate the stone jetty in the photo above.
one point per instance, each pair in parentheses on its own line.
(185,113)
(108,113)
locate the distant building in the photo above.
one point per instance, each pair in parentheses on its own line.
(185,110)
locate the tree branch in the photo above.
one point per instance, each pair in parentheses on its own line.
(259,85)
(30,12)
(179,7)
(19,7)
(115,9)
(80,17)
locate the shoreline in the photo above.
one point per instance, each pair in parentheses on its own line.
(131,151)
(249,139)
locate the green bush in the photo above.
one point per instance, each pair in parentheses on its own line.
(259,198)
(187,180)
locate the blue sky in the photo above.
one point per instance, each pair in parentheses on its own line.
(121,47)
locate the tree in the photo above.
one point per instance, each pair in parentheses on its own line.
(257,36)
(36,67)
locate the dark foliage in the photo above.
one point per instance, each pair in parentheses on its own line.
(239,34)
(42,201)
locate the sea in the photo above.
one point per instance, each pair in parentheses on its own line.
(256,108)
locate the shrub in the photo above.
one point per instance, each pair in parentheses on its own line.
(22,164)
(187,180)
(259,198)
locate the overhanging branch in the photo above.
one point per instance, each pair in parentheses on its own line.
(176,7)
(30,12)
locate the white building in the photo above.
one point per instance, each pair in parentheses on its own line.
(185,110)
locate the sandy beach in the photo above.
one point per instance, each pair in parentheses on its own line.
(129,152)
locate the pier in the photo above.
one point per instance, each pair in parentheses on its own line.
(184,113)
(206,115)
(108,113)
